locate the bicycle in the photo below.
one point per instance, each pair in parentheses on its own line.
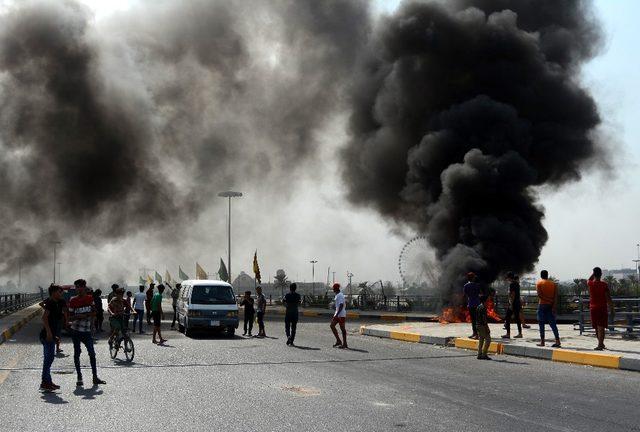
(122,340)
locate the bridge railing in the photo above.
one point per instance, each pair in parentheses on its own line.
(13,302)
(625,319)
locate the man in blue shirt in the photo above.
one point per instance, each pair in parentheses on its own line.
(472,293)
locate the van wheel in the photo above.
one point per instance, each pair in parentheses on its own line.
(230,332)
(180,328)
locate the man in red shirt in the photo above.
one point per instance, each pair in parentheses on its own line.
(599,299)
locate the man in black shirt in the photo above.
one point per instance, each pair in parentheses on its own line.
(515,307)
(249,312)
(291,301)
(52,323)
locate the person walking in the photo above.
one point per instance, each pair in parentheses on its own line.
(138,305)
(484,333)
(112,294)
(128,310)
(291,301)
(472,293)
(261,308)
(249,312)
(175,293)
(515,307)
(158,315)
(147,302)
(97,301)
(599,300)
(339,317)
(547,299)
(81,314)
(52,320)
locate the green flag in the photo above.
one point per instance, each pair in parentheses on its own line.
(142,282)
(158,278)
(222,272)
(181,274)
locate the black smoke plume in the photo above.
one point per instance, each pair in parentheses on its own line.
(134,125)
(460,108)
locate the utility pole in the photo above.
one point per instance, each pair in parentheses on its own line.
(349,275)
(59,273)
(229,194)
(20,274)
(334,277)
(637,261)
(55,244)
(313,277)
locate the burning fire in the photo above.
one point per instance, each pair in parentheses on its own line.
(460,314)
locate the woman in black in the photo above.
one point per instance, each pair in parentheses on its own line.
(97,300)
(249,312)
(514,306)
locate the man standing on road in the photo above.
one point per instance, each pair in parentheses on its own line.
(484,334)
(112,294)
(175,293)
(472,293)
(547,297)
(291,301)
(249,312)
(81,314)
(339,317)
(599,299)
(52,321)
(157,315)
(97,302)
(261,308)
(147,302)
(514,306)
(138,304)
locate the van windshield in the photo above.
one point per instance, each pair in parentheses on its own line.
(212,295)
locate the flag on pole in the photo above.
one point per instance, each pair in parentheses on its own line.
(222,272)
(181,274)
(200,273)
(167,276)
(158,278)
(149,280)
(141,280)
(256,267)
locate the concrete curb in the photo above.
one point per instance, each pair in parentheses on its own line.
(611,361)
(6,333)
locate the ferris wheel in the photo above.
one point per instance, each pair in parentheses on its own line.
(417,264)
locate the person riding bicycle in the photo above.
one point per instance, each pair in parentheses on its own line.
(117,307)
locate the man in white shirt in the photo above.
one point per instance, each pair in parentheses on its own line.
(138,305)
(339,317)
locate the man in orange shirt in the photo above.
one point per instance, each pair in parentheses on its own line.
(547,296)
(599,299)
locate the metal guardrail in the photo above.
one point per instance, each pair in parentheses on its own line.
(625,320)
(13,302)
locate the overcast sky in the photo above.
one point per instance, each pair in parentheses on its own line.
(592,222)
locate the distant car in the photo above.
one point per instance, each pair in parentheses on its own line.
(207,305)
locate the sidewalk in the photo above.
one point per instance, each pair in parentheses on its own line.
(10,324)
(620,353)
(356,314)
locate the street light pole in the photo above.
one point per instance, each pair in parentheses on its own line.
(349,275)
(313,277)
(59,273)
(229,194)
(55,244)
(20,275)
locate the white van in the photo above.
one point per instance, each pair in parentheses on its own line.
(207,305)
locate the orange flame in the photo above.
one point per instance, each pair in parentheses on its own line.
(460,314)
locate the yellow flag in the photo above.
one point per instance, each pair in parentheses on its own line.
(149,280)
(200,273)
(167,276)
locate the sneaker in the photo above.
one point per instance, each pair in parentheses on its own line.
(337,344)
(556,345)
(288,341)
(79,383)
(47,387)
(55,386)
(527,326)
(506,336)
(244,334)
(59,351)
(343,346)
(486,357)
(518,336)
(162,341)
(97,381)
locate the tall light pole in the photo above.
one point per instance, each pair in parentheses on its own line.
(59,273)
(349,275)
(229,194)
(20,274)
(55,244)
(313,277)
(637,261)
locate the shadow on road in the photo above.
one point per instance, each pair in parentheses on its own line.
(88,393)
(305,348)
(53,398)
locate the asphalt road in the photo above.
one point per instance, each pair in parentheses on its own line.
(240,384)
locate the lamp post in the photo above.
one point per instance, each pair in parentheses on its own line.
(55,244)
(313,277)
(349,275)
(59,273)
(229,194)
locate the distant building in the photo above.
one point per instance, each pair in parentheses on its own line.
(621,273)
(243,282)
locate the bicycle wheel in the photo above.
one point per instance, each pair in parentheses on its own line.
(114,346)
(129,349)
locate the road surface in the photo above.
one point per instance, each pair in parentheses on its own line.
(240,384)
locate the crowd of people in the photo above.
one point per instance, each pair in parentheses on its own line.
(547,290)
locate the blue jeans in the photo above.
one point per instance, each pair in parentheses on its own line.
(138,317)
(546,316)
(49,353)
(87,340)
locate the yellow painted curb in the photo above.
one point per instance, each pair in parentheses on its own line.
(353,315)
(586,358)
(311,314)
(472,344)
(407,337)
(393,317)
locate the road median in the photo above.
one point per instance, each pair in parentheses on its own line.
(11,324)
